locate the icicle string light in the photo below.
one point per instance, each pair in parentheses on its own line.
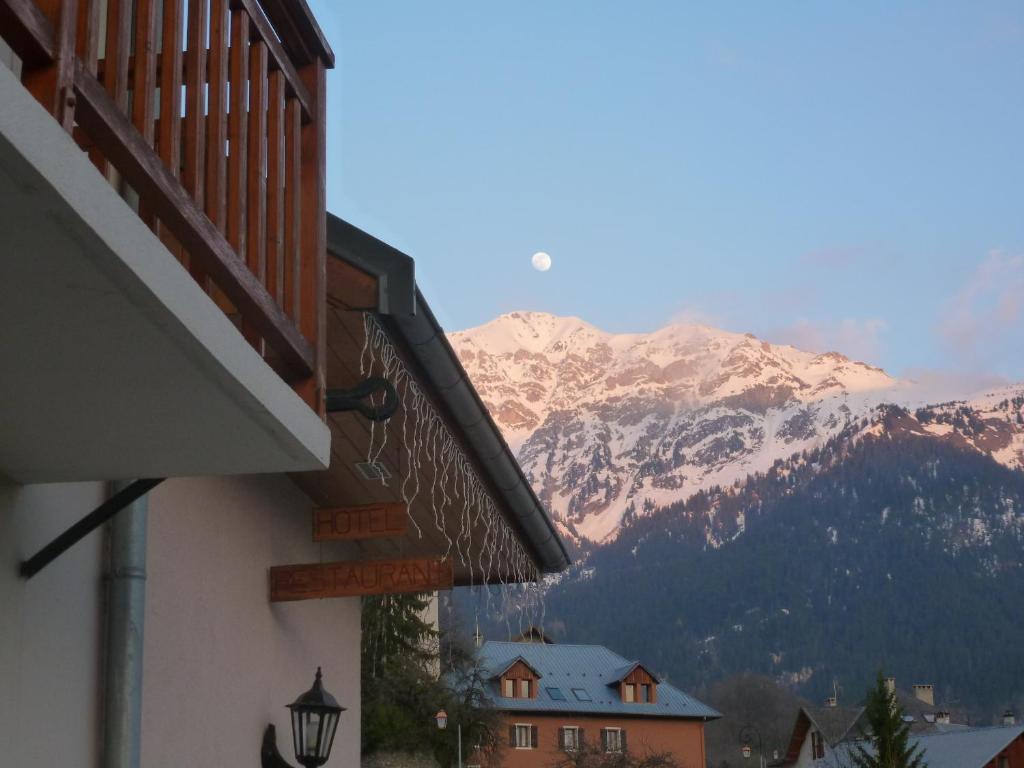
(455,495)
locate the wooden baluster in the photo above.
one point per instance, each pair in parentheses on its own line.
(169,134)
(87,45)
(313,276)
(237,134)
(216,131)
(87,37)
(292,201)
(195,104)
(143,82)
(115,62)
(169,139)
(275,188)
(143,76)
(195,108)
(53,83)
(256,242)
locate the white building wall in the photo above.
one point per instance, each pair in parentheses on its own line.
(50,630)
(806,760)
(221,661)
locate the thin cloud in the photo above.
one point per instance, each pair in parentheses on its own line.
(859,339)
(927,386)
(981,318)
(695,316)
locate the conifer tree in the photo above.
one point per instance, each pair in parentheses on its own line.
(888,734)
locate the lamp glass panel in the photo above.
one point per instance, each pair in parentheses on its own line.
(311,733)
(297,731)
(330,726)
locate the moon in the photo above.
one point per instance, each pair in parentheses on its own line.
(541,261)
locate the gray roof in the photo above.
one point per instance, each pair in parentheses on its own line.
(956,747)
(589,669)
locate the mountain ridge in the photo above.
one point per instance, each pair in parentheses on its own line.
(607,425)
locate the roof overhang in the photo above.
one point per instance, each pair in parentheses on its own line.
(116,363)
(364,274)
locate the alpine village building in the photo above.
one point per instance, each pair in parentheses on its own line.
(223,412)
(558,699)
(828,736)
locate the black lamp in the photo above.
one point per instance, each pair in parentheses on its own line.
(314,722)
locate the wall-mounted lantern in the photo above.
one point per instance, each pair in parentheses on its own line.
(314,722)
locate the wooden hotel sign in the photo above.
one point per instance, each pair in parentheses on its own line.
(359,578)
(372,521)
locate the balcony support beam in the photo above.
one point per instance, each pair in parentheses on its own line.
(87,525)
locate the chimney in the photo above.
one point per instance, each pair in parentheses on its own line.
(830,701)
(925,693)
(478,637)
(1008,718)
(942,717)
(890,684)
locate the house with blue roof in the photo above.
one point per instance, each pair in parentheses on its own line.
(561,699)
(829,737)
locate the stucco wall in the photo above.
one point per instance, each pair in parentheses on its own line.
(683,738)
(50,630)
(221,661)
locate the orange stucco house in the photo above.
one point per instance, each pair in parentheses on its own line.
(558,699)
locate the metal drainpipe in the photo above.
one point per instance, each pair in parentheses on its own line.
(126,606)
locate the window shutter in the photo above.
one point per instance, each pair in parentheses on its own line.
(579,737)
(604,739)
(533,736)
(561,738)
(511,735)
(622,739)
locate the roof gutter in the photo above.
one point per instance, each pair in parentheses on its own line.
(406,316)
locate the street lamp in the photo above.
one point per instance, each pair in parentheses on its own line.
(314,723)
(748,734)
(442,723)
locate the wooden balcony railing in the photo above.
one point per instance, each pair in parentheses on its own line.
(209,116)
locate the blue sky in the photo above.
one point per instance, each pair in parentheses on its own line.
(835,175)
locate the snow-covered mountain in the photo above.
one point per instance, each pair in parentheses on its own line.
(611,425)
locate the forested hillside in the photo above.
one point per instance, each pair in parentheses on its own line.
(884,547)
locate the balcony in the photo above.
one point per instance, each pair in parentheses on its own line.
(162,187)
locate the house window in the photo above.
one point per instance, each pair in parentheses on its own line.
(555,694)
(645,691)
(1004,761)
(581,694)
(510,689)
(569,738)
(523,736)
(817,746)
(524,689)
(614,739)
(629,693)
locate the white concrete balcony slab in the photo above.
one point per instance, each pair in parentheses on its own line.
(114,363)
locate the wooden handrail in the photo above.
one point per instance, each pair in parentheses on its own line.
(224,146)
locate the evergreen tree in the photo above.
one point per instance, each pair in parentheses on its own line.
(400,690)
(887,732)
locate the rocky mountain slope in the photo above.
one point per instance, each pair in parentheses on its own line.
(608,425)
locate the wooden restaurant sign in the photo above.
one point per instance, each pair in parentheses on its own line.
(358,578)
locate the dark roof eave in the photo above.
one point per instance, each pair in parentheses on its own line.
(418,330)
